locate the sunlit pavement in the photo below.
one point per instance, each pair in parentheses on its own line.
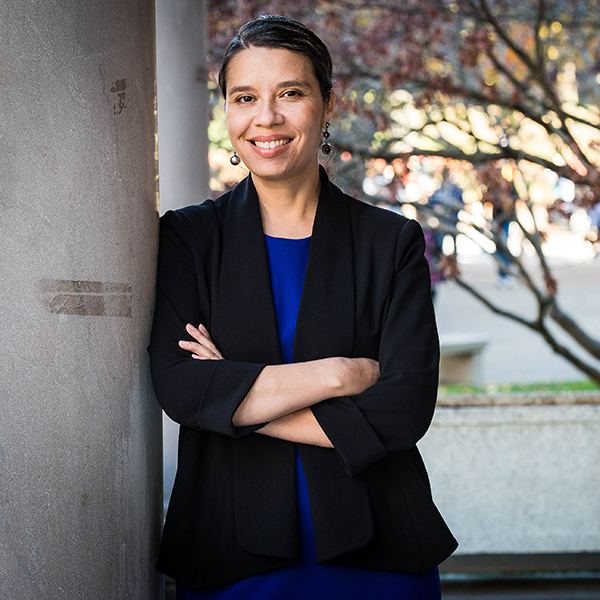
(514,354)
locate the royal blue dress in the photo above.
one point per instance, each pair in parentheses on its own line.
(307,579)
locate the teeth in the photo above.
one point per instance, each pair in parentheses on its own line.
(272,144)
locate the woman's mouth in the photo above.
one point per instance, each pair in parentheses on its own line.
(271,145)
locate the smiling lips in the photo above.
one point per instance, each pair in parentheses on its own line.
(271,145)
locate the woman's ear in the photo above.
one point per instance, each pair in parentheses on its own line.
(329,108)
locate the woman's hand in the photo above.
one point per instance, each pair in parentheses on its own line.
(203,348)
(358,374)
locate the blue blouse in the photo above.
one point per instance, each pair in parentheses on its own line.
(308,579)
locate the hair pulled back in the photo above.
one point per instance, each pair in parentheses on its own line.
(274,31)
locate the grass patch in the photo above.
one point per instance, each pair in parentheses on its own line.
(560,386)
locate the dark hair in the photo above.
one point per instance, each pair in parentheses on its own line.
(273,31)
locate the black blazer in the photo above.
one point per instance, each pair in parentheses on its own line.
(233,511)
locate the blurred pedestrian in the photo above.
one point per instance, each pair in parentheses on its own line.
(502,195)
(447,201)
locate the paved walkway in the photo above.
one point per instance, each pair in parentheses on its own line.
(515,354)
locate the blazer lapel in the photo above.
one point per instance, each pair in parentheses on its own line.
(245,329)
(246,326)
(340,507)
(325,325)
(245,323)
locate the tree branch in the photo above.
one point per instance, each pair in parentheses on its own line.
(537,326)
(578,119)
(570,326)
(457,154)
(493,307)
(525,59)
(566,353)
(520,85)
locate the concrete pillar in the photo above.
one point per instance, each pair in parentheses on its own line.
(80,435)
(181,34)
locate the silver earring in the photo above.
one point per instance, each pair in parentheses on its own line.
(234,159)
(326,148)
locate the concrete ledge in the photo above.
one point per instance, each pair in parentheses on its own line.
(522,563)
(461,358)
(532,587)
(518,473)
(452,344)
(540,398)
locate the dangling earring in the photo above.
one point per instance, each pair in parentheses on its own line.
(326,148)
(234,159)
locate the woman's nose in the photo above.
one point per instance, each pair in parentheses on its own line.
(268,114)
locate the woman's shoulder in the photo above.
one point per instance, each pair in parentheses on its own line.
(199,221)
(197,227)
(379,216)
(384,230)
(381,222)
(201,215)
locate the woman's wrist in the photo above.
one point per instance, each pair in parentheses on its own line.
(337,371)
(300,427)
(356,375)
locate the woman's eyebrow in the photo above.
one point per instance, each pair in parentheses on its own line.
(295,83)
(241,88)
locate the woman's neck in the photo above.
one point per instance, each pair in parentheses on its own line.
(287,209)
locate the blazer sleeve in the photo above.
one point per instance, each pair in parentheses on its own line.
(395,412)
(201,394)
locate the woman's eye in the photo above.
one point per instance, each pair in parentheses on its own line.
(292,94)
(244,99)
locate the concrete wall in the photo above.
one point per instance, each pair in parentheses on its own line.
(518,473)
(80,436)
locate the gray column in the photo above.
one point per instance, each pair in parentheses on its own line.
(80,435)
(181,33)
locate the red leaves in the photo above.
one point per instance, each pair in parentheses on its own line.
(496,190)
(469,56)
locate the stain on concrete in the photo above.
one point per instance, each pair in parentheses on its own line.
(86,298)
(119,92)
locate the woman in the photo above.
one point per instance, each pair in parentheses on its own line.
(294,341)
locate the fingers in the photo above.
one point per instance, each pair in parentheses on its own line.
(203,348)
(206,340)
(198,350)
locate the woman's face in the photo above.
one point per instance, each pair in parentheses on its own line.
(275,113)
